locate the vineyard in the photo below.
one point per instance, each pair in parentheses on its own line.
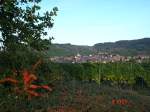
(119,73)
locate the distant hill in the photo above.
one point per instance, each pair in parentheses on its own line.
(70,50)
(126,47)
(123,47)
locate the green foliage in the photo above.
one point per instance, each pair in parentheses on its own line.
(118,73)
(22,24)
(140,83)
(90,71)
(73,71)
(22,29)
(18,59)
(50,72)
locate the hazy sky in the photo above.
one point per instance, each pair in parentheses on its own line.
(86,22)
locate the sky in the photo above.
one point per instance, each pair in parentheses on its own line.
(87,22)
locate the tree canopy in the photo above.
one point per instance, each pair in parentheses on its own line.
(22,29)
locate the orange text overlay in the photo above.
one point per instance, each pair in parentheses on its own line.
(120,101)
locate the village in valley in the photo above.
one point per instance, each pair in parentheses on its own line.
(100,57)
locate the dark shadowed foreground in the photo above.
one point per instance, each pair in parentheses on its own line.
(78,96)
